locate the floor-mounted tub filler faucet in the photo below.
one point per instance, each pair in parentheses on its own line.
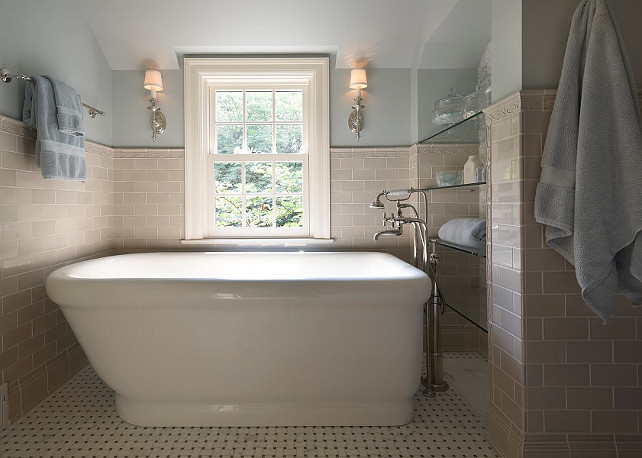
(393,226)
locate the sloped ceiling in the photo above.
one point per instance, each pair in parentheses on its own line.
(461,38)
(377,33)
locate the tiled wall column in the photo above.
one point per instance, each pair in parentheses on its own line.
(505,419)
(563,384)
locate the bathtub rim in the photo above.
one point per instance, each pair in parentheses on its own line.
(69,289)
(64,271)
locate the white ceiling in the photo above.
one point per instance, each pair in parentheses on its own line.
(378,33)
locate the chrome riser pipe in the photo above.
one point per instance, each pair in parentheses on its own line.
(436,358)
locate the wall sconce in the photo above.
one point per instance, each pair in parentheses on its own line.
(154,82)
(358,81)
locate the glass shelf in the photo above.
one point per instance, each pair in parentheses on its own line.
(462,281)
(462,248)
(480,320)
(432,188)
(466,131)
(462,277)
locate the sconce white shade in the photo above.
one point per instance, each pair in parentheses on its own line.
(358,78)
(153,80)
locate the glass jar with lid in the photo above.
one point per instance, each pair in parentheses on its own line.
(448,110)
(476,101)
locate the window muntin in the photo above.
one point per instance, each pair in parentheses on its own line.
(259,162)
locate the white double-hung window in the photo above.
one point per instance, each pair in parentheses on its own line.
(257,148)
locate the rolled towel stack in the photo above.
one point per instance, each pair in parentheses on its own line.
(469,232)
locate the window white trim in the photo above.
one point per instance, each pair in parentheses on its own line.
(200,73)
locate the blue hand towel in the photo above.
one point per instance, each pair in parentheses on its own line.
(68,109)
(589,195)
(60,156)
(469,232)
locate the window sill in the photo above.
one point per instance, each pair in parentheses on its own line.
(284,242)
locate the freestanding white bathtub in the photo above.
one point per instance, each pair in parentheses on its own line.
(250,339)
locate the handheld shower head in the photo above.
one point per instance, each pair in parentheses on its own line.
(377,205)
(397,195)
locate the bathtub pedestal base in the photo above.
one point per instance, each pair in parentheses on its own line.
(151,413)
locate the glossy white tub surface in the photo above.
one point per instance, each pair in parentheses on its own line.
(250,339)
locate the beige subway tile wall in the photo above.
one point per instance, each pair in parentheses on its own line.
(149,199)
(563,383)
(505,282)
(133,200)
(357,175)
(45,225)
(584,344)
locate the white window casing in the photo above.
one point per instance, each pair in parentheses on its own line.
(202,75)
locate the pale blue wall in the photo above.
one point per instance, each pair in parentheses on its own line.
(132,118)
(545,33)
(433,85)
(54,38)
(507,47)
(530,36)
(387,112)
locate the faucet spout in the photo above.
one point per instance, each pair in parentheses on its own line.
(395,232)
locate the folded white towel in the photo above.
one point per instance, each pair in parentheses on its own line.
(469,232)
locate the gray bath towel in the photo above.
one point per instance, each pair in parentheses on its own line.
(68,109)
(60,156)
(589,194)
(469,232)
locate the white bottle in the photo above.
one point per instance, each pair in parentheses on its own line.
(473,163)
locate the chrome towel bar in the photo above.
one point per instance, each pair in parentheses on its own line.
(7,76)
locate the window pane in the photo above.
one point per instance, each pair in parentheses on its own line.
(258,177)
(258,212)
(228,211)
(228,177)
(289,177)
(288,138)
(229,106)
(289,211)
(289,106)
(259,138)
(258,105)
(229,139)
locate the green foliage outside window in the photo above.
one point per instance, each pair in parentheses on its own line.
(289,211)
(229,211)
(258,179)
(271,207)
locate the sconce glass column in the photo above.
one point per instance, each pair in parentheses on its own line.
(358,81)
(154,83)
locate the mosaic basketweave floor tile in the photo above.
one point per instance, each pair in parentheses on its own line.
(80,420)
